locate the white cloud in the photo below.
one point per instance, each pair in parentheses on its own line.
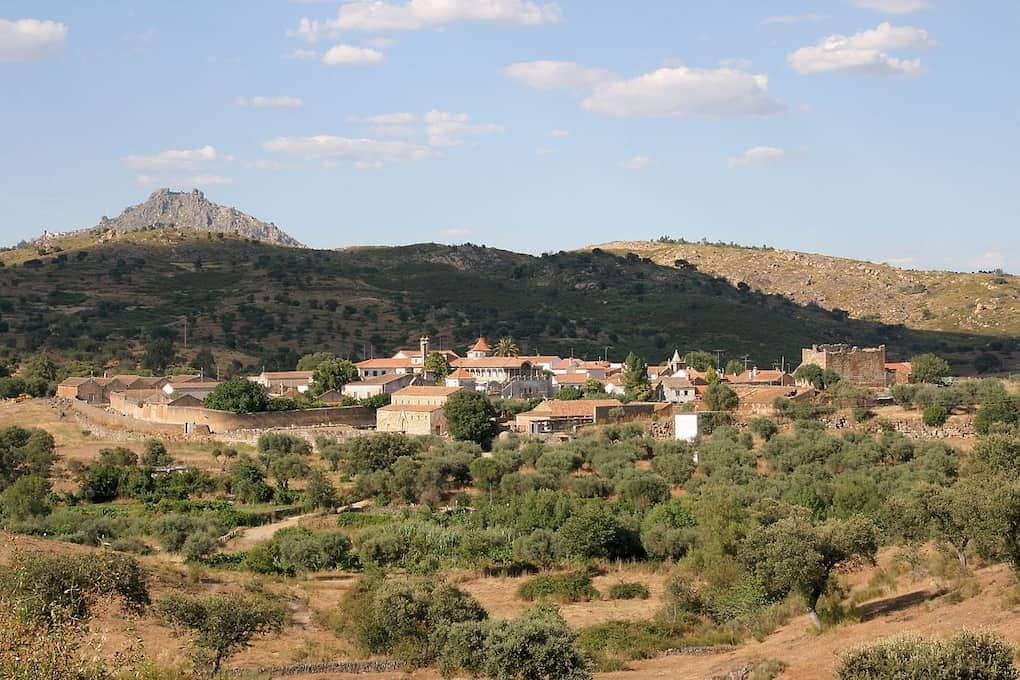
(348,54)
(559,133)
(261,164)
(192,181)
(386,15)
(174,159)
(894,6)
(558,75)
(455,232)
(384,119)
(759,155)
(380,43)
(302,55)
(992,259)
(638,162)
(451,129)
(901,262)
(270,102)
(793,19)
(863,52)
(361,152)
(685,93)
(543,151)
(26,40)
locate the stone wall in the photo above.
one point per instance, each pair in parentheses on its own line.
(860,365)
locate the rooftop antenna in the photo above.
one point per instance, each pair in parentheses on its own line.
(746,359)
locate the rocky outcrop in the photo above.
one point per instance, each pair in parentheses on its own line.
(166,208)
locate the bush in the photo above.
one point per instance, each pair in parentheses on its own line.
(538,548)
(470,416)
(408,619)
(28,497)
(573,586)
(765,428)
(297,549)
(966,655)
(536,645)
(935,415)
(629,591)
(238,395)
(47,587)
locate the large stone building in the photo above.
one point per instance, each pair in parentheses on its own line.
(863,366)
(415,410)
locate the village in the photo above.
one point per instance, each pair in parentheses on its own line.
(407,392)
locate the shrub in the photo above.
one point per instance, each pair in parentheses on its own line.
(28,497)
(538,548)
(573,586)
(296,549)
(590,487)
(238,395)
(629,591)
(155,454)
(935,415)
(537,644)
(765,428)
(220,624)
(470,416)
(275,443)
(666,530)
(966,655)
(642,489)
(47,586)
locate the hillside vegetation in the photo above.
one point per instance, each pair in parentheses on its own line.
(982,303)
(99,301)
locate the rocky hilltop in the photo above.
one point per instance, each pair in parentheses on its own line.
(166,208)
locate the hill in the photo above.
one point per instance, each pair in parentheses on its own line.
(165,208)
(983,303)
(261,304)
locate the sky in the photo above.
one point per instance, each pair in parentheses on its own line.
(885,130)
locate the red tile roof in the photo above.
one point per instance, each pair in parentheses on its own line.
(288,375)
(412,408)
(481,346)
(426,391)
(385,363)
(576,408)
(493,362)
(571,378)
(382,379)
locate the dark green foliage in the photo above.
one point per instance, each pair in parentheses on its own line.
(997,408)
(320,491)
(629,591)
(537,645)
(49,586)
(247,481)
(968,655)
(720,397)
(765,428)
(155,454)
(407,619)
(333,374)
(220,625)
(299,549)
(573,586)
(159,355)
(276,443)
(438,365)
(935,415)
(238,395)
(666,530)
(24,452)
(537,548)
(928,368)
(470,416)
(642,489)
(28,497)
(815,376)
(365,454)
(635,378)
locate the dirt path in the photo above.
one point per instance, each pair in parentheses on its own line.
(263,532)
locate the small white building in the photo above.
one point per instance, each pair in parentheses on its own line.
(686,426)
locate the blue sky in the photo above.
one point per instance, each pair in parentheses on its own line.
(877,129)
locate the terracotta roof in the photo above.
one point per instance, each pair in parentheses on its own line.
(594,364)
(382,379)
(676,383)
(385,363)
(759,377)
(196,385)
(481,346)
(426,391)
(288,375)
(460,374)
(186,400)
(147,396)
(73,382)
(541,358)
(177,379)
(555,408)
(899,366)
(571,378)
(492,362)
(411,408)
(330,397)
(767,395)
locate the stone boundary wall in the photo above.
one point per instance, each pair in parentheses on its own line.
(353,667)
(118,421)
(172,419)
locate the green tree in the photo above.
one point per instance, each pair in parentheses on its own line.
(155,454)
(309,362)
(720,397)
(438,365)
(635,378)
(935,415)
(815,376)
(928,368)
(205,363)
(333,374)
(320,491)
(287,467)
(969,513)
(507,347)
(238,395)
(734,367)
(220,625)
(25,452)
(28,497)
(568,393)
(699,360)
(470,416)
(997,407)
(593,389)
(40,368)
(794,555)
(159,355)
(967,655)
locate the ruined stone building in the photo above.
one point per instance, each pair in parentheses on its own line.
(863,366)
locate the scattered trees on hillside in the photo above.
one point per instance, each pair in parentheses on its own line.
(965,655)
(333,374)
(720,397)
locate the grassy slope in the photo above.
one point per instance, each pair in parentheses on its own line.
(93,298)
(932,300)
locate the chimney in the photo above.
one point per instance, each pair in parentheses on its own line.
(754,372)
(424,344)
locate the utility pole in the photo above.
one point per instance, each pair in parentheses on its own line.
(746,358)
(718,358)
